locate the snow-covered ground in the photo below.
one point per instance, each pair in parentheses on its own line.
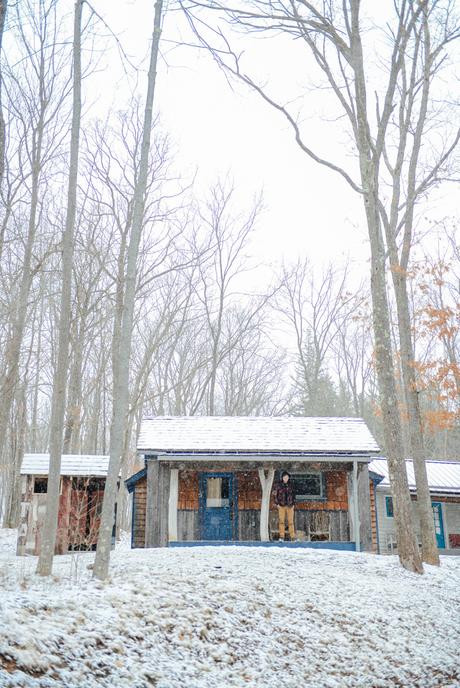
(229,617)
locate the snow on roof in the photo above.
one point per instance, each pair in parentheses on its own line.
(71,464)
(254,435)
(443,476)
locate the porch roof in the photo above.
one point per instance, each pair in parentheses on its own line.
(71,464)
(443,476)
(249,437)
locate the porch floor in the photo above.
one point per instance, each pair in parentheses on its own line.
(324,544)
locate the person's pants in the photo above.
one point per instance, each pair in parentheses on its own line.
(288,511)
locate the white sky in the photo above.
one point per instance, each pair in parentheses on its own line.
(309,210)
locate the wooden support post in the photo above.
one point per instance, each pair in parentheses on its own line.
(356,527)
(164,502)
(156,526)
(173,499)
(364,508)
(151,520)
(266,480)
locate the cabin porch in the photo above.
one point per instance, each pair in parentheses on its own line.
(180,503)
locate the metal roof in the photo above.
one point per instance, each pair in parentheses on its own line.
(71,464)
(255,435)
(443,476)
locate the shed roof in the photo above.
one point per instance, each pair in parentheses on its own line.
(71,464)
(255,435)
(443,476)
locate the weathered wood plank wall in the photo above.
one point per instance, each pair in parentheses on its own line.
(249,496)
(139,513)
(250,492)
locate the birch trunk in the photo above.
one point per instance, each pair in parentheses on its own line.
(266,480)
(45,562)
(123,351)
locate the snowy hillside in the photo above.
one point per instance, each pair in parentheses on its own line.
(224,618)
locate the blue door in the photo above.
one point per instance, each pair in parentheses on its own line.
(217,506)
(438,524)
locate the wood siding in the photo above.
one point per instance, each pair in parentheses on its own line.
(335,519)
(250,492)
(139,512)
(337,525)
(316,525)
(188,491)
(187,525)
(78,515)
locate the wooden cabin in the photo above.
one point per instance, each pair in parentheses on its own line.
(80,502)
(211,479)
(444,484)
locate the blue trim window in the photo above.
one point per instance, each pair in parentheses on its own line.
(389,506)
(309,487)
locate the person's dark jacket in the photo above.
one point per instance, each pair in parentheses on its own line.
(284,494)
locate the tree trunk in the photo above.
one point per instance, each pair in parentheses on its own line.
(3,9)
(369,172)
(407,546)
(45,562)
(13,501)
(123,351)
(72,443)
(13,347)
(429,546)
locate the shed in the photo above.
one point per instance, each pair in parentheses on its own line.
(210,480)
(80,502)
(444,484)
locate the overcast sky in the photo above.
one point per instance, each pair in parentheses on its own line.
(309,210)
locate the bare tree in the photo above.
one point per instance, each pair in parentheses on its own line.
(353,357)
(122,353)
(3,10)
(45,562)
(315,308)
(35,94)
(228,235)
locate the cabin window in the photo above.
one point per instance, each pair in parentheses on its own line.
(389,506)
(309,486)
(40,485)
(217,493)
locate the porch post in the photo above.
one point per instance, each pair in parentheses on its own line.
(266,480)
(173,499)
(156,525)
(151,517)
(356,528)
(364,508)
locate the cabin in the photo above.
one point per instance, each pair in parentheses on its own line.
(80,502)
(444,484)
(210,480)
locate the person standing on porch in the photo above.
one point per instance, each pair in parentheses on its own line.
(285,501)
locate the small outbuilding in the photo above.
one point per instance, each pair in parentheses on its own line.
(80,503)
(444,484)
(209,480)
